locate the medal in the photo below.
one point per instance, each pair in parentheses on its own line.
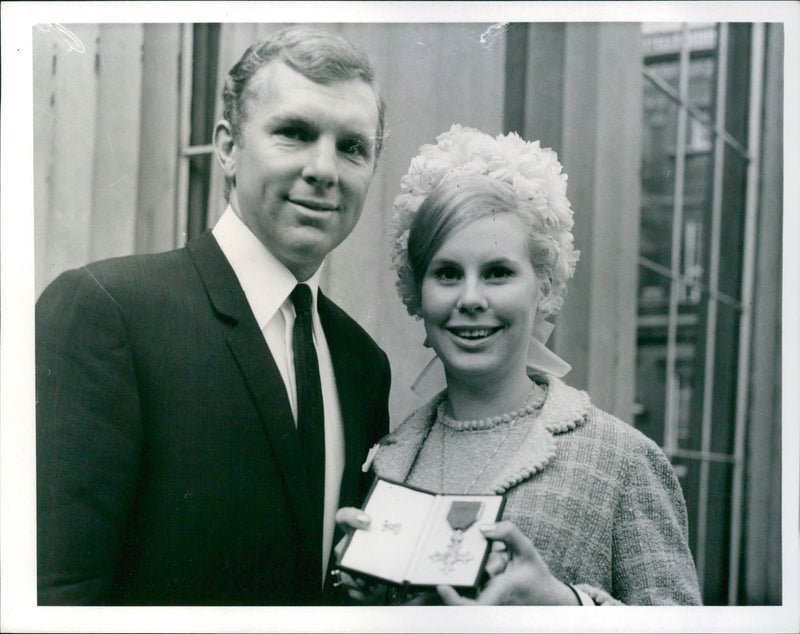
(460,517)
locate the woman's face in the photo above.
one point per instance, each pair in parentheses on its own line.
(479,297)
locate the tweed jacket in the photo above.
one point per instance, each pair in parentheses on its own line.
(599,500)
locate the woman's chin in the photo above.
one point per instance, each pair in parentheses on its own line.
(477,372)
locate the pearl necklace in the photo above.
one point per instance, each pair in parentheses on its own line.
(533,405)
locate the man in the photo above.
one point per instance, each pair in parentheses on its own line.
(176,461)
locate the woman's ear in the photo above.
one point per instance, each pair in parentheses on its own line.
(544,305)
(225,148)
(545,288)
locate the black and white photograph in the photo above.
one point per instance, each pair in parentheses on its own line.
(258,257)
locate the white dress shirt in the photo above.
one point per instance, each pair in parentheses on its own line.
(267,284)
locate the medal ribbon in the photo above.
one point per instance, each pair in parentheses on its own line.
(463,514)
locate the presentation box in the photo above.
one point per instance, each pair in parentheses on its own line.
(420,538)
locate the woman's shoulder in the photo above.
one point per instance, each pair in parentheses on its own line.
(566,405)
(615,431)
(607,433)
(620,446)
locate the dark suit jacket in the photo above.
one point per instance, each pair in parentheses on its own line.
(167,456)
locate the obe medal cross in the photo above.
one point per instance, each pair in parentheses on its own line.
(461,516)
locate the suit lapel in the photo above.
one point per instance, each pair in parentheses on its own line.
(350,386)
(252,355)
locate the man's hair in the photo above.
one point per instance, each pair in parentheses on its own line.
(320,56)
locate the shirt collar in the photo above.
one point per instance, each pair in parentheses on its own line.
(265,280)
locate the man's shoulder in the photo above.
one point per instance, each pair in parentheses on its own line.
(127,266)
(121,277)
(145,264)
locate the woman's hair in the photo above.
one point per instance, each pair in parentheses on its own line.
(469,175)
(454,204)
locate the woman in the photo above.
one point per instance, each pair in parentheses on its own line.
(594,513)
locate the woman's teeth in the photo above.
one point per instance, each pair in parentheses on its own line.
(473,333)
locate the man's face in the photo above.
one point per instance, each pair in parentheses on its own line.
(303,163)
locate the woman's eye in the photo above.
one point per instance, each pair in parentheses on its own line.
(447,274)
(499,273)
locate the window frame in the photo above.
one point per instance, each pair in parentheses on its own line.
(713,296)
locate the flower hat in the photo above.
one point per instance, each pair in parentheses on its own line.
(535,174)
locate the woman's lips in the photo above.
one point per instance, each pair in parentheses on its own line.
(473,333)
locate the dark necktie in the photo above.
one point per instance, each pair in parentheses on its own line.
(310,417)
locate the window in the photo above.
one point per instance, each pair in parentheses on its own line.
(701,87)
(198,100)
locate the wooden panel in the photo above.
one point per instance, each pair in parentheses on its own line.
(116,157)
(65,217)
(618,205)
(572,336)
(156,188)
(544,80)
(601,153)
(762,565)
(45,58)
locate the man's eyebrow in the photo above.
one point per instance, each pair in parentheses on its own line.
(291,121)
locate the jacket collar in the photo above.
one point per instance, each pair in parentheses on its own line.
(564,409)
(246,342)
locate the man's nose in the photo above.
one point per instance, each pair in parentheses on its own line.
(472,297)
(320,169)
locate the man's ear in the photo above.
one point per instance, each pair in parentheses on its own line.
(225,148)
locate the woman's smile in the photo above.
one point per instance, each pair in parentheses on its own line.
(479,298)
(473,333)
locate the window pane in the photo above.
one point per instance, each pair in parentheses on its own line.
(688,472)
(651,381)
(732,229)
(716,563)
(667,70)
(658,188)
(726,352)
(205,53)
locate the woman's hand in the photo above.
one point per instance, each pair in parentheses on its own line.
(359,588)
(517,574)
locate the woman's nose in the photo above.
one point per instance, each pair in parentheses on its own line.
(320,168)
(472,297)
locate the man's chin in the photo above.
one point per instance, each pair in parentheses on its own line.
(306,256)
